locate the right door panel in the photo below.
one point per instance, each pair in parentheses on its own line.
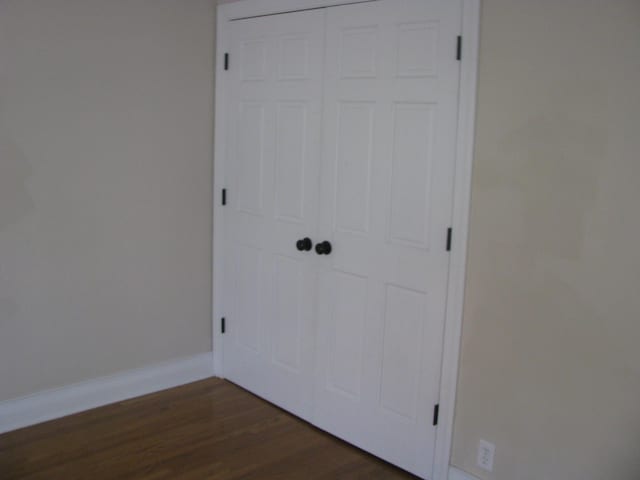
(390,105)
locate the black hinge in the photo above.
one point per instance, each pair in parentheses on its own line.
(449,238)
(226,61)
(223,325)
(459,48)
(436,412)
(224,196)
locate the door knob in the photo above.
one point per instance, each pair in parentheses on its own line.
(304,244)
(323,248)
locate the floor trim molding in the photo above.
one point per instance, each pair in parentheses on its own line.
(59,402)
(457,474)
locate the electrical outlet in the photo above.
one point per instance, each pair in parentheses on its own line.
(486,452)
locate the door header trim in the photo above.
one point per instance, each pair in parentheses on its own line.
(244,9)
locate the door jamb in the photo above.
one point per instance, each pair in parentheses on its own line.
(470,27)
(470,31)
(221,85)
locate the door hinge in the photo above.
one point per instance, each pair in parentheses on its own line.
(224,196)
(226,61)
(436,412)
(449,238)
(223,325)
(459,48)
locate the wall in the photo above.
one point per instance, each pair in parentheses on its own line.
(550,367)
(105,138)
(105,196)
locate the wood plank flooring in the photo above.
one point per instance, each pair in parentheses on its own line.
(205,430)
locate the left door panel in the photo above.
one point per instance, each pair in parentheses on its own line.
(272,174)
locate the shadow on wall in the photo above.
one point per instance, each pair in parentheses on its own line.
(15,201)
(552,194)
(557,197)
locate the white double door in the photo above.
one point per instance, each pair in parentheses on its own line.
(341,127)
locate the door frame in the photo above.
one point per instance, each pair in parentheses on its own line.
(470,28)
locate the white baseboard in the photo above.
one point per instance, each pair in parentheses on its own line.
(457,474)
(59,402)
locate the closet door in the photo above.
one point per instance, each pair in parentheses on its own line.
(390,103)
(272,168)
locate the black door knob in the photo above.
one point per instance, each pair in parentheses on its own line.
(304,244)
(323,248)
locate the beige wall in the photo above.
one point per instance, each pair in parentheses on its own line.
(105,197)
(550,358)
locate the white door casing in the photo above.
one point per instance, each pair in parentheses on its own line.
(386,77)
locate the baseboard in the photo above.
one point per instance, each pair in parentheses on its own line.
(63,401)
(457,474)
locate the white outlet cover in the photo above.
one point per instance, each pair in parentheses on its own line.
(486,452)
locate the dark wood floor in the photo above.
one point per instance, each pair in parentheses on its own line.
(206,430)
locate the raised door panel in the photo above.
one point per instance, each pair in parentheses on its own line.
(253,60)
(354,152)
(347,323)
(294,57)
(286,327)
(417,49)
(247,329)
(291,153)
(250,151)
(404,315)
(358,52)
(411,160)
